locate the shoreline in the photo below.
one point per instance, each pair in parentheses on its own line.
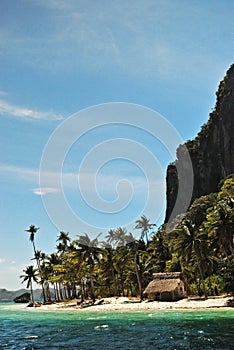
(124,304)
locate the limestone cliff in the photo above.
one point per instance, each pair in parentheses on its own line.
(211,152)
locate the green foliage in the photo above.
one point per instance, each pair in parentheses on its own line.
(204,238)
(173,265)
(227,187)
(215,285)
(201,246)
(226,269)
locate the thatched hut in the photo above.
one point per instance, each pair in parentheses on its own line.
(167,286)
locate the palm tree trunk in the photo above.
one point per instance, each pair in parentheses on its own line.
(138,276)
(201,273)
(60,291)
(39,269)
(92,284)
(146,237)
(82,291)
(114,278)
(65,291)
(31,291)
(118,285)
(57,291)
(46,288)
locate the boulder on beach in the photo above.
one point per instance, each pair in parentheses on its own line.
(23,298)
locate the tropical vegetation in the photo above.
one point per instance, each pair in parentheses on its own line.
(201,246)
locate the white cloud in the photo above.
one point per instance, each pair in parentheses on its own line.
(2,260)
(42,191)
(7,109)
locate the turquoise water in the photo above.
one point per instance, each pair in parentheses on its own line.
(29,328)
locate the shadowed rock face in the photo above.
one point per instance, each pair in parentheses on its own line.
(211,152)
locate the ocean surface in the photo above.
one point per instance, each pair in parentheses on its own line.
(31,328)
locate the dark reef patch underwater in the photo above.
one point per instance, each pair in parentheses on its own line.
(22,328)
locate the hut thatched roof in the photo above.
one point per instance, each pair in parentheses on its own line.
(167,275)
(162,285)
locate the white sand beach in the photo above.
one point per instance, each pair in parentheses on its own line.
(125,304)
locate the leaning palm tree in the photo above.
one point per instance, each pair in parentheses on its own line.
(32,230)
(30,275)
(37,254)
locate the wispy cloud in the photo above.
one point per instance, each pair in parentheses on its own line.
(131,37)
(31,177)
(10,110)
(87,182)
(2,260)
(15,172)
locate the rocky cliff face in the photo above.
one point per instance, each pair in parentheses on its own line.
(211,152)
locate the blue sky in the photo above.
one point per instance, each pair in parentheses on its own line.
(60,57)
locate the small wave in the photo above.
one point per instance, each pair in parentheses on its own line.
(31,337)
(99,317)
(105,326)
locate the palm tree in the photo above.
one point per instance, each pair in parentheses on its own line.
(33,230)
(64,239)
(220,223)
(145,226)
(29,276)
(53,266)
(91,252)
(111,237)
(188,242)
(109,264)
(120,236)
(116,259)
(158,251)
(136,247)
(121,259)
(118,255)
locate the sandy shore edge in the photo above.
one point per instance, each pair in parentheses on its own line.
(125,304)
